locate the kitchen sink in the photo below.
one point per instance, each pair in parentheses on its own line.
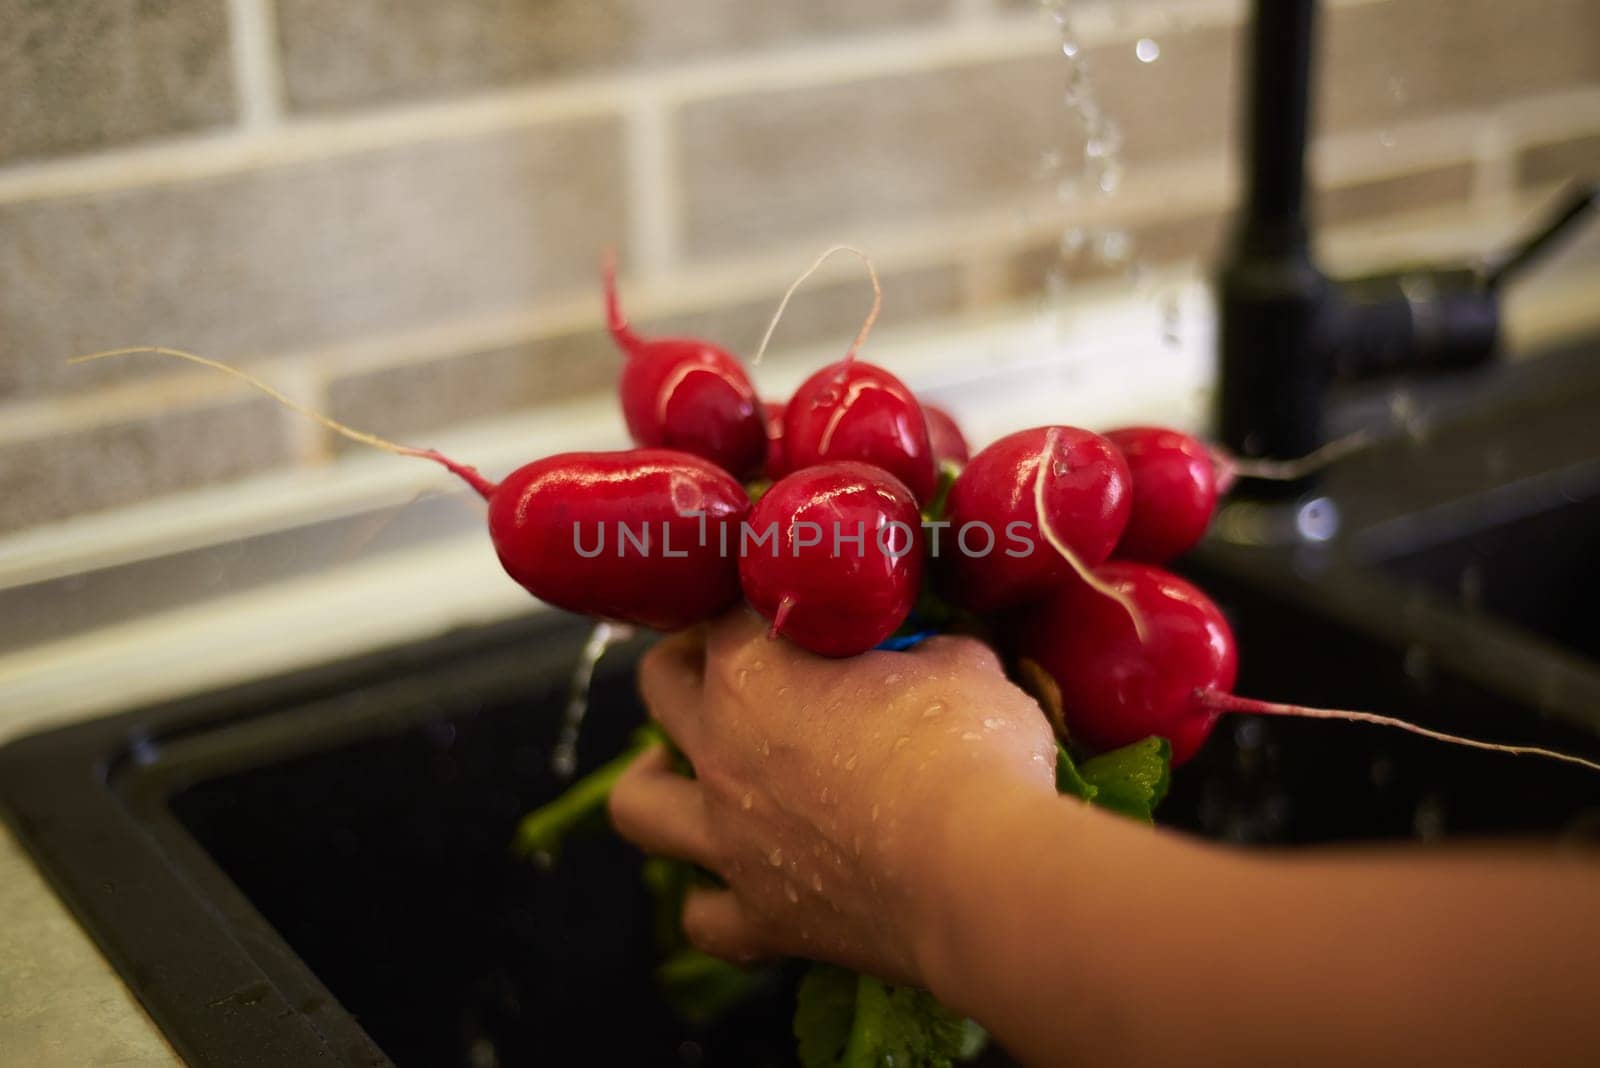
(315,868)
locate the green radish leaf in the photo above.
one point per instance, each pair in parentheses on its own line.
(824,1012)
(701,987)
(845,1020)
(543,831)
(1068,779)
(1131,780)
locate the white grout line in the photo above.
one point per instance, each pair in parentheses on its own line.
(654,191)
(255,63)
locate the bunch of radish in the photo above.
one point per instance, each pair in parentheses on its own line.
(837,513)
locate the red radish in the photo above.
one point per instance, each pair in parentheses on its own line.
(1178,478)
(945,436)
(1174,492)
(680,393)
(852,410)
(1116,688)
(842,561)
(1048,503)
(665,518)
(633,536)
(777,455)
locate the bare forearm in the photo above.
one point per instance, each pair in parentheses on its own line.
(1078,936)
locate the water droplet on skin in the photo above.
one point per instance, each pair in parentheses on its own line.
(835,760)
(850,765)
(816,883)
(1147,50)
(775,858)
(933,711)
(825,795)
(758,665)
(766,747)
(874,813)
(993,724)
(901,742)
(783,691)
(892,678)
(791,893)
(747,802)
(855,844)
(744,678)
(971,736)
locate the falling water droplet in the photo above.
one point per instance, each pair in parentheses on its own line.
(564,754)
(1070,48)
(1147,50)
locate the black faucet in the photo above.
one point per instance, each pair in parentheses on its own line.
(1287,331)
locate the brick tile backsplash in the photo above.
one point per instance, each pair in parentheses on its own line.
(362,51)
(832,159)
(86,74)
(307,253)
(427,395)
(293,240)
(1560,161)
(120,462)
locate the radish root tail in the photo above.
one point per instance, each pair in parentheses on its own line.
(1227,702)
(785,606)
(866,326)
(1059,544)
(467,474)
(1231,468)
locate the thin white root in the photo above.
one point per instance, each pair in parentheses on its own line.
(1300,466)
(1084,572)
(1227,702)
(467,474)
(866,326)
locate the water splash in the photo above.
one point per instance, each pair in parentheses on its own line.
(564,756)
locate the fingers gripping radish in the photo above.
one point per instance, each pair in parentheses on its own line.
(680,393)
(1116,689)
(1054,499)
(843,564)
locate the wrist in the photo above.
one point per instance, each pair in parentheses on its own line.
(971,850)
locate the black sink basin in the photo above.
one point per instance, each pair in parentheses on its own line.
(315,869)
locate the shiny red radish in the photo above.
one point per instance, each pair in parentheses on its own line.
(851,410)
(634,536)
(680,393)
(840,563)
(1116,688)
(660,564)
(945,436)
(777,456)
(1174,492)
(997,552)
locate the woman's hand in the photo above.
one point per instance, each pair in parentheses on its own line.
(824,789)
